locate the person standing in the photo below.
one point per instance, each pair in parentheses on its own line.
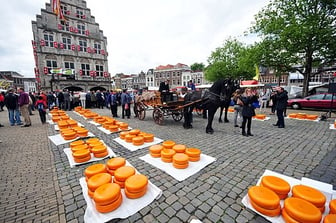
(164,90)
(238,107)
(191,85)
(82,98)
(66,95)
(11,102)
(2,101)
(60,97)
(248,98)
(100,99)
(23,102)
(281,104)
(112,100)
(41,107)
(125,104)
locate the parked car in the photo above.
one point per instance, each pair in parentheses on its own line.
(313,101)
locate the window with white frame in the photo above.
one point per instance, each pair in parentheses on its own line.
(99,70)
(64,9)
(81,28)
(79,13)
(83,45)
(85,69)
(65,25)
(97,47)
(51,64)
(49,39)
(69,65)
(66,42)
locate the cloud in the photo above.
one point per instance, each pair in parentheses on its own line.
(140,34)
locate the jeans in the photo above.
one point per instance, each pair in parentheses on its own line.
(14,116)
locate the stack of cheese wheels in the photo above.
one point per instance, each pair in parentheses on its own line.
(301,115)
(312,117)
(122,135)
(76,143)
(155,150)
(96,181)
(123,126)
(260,116)
(62,124)
(113,128)
(93,170)
(329,218)
(81,156)
(179,148)
(292,115)
(72,123)
(121,175)
(180,161)
(299,210)
(134,132)
(129,138)
(311,195)
(82,132)
(148,137)
(264,200)
(107,197)
(167,155)
(79,147)
(92,140)
(168,144)
(194,154)
(69,134)
(332,206)
(136,186)
(276,184)
(138,140)
(114,163)
(99,151)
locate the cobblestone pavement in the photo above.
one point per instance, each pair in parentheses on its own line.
(38,184)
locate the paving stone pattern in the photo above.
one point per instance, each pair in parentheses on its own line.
(37,183)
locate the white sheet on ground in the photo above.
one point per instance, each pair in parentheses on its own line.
(109,132)
(58,139)
(132,147)
(72,162)
(179,174)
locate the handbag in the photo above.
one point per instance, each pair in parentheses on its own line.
(126,106)
(239,102)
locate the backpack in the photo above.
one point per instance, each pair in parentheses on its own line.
(40,106)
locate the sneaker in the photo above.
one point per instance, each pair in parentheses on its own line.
(20,123)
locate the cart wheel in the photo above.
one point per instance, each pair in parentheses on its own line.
(177,115)
(158,116)
(141,111)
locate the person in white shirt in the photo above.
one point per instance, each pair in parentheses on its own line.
(82,98)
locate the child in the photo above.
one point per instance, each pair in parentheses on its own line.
(41,106)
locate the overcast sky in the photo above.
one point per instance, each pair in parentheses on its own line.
(141,34)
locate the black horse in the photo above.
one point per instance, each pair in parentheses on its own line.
(225,104)
(212,99)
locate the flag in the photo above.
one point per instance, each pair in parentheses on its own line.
(56,7)
(256,77)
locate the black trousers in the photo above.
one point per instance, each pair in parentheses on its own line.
(42,116)
(248,121)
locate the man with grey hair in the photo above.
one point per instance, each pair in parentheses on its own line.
(23,102)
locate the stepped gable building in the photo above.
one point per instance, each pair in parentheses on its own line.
(69,48)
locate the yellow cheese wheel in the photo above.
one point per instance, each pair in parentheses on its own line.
(302,210)
(115,163)
(76,143)
(139,140)
(106,194)
(180,159)
(129,137)
(263,197)
(148,137)
(180,166)
(123,126)
(193,152)
(155,155)
(79,147)
(332,206)
(99,149)
(99,179)
(100,155)
(167,153)
(82,160)
(81,153)
(110,207)
(134,132)
(124,172)
(91,140)
(69,136)
(276,184)
(330,218)
(136,183)
(90,193)
(168,144)
(110,171)
(194,159)
(310,194)
(155,149)
(113,128)
(122,135)
(166,160)
(267,212)
(94,144)
(82,133)
(179,148)
(95,169)
(287,218)
(135,195)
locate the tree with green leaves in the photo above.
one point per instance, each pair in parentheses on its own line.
(233,59)
(197,67)
(298,35)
